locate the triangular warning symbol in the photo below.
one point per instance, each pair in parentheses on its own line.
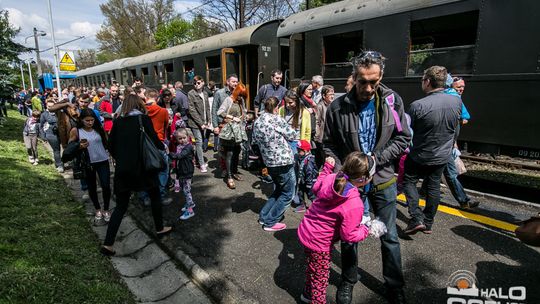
(67,59)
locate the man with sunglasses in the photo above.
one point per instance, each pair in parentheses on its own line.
(199,117)
(370,118)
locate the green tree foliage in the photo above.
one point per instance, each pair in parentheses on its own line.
(315,3)
(175,32)
(9,61)
(130,26)
(203,28)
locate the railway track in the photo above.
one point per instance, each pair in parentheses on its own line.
(503,162)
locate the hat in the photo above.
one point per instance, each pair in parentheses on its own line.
(304,145)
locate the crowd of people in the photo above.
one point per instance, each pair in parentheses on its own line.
(334,159)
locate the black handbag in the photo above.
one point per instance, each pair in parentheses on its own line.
(152,159)
(80,164)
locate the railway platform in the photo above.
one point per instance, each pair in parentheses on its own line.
(238,262)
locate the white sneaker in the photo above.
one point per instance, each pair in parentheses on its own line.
(60,169)
(106,216)
(187,214)
(204,168)
(85,196)
(98,215)
(31,159)
(35,162)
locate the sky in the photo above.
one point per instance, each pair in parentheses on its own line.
(71,18)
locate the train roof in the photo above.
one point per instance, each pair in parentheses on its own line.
(229,39)
(109,66)
(349,11)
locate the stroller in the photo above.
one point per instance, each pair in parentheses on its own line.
(251,156)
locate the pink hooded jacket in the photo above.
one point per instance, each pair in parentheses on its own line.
(332,217)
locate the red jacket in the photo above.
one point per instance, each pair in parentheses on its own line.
(160,119)
(106,106)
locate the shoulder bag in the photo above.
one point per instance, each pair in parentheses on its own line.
(152,158)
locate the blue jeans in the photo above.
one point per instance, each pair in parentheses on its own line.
(450,174)
(383,204)
(197,134)
(284,190)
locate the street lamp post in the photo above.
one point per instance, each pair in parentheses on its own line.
(30,73)
(56,69)
(22,75)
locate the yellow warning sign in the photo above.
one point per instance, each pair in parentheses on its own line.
(67,61)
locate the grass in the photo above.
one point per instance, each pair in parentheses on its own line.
(48,251)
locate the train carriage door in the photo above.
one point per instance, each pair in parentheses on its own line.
(232,62)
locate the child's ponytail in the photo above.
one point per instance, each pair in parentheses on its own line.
(355,166)
(340,182)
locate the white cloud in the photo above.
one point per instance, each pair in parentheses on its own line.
(183,6)
(26,21)
(84,28)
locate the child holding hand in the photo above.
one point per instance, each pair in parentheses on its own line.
(335,214)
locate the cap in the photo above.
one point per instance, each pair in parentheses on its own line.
(304,145)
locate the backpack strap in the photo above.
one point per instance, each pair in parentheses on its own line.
(390,101)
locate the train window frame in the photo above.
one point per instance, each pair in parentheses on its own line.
(169,71)
(433,41)
(187,66)
(333,60)
(213,68)
(145,74)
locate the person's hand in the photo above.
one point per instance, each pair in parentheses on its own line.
(236,119)
(216,130)
(178,115)
(464,121)
(83,144)
(330,160)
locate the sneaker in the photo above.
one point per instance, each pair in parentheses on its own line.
(299,209)
(344,293)
(187,207)
(106,216)
(35,162)
(204,168)
(85,196)
(469,205)
(428,229)
(166,201)
(187,214)
(31,159)
(304,298)
(60,169)
(267,179)
(260,222)
(414,227)
(98,215)
(276,227)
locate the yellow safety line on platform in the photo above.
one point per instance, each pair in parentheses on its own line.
(475,217)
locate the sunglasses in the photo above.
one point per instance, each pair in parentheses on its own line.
(371,54)
(455,79)
(198,82)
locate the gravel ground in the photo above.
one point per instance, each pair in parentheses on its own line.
(521,177)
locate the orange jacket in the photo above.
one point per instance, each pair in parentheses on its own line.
(160,119)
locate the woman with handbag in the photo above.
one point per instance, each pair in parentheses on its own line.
(125,146)
(49,125)
(93,141)
(233,132)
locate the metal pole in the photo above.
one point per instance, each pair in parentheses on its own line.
(38,59)
(56,69)
(22,76)
(30,75)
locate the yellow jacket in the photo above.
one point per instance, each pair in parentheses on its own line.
(305,126)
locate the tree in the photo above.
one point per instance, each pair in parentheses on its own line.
(203,28)
(9,52)
(130,25)
(315,3)
(234,14)
(86,58)
(176,31)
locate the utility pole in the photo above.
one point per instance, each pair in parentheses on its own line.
(38,59)
(30,74)
(56,69)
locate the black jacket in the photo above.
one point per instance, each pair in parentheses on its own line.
(184,162)
(341,132)
(125,148)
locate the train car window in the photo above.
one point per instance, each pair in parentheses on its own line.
(169,72)
(447,41)
(232,63)
(156,73)
(338,51)
(213,69)
(133,74)
(189,71)
(108,79)
(145,73)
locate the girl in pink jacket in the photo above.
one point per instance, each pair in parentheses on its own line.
(336,214)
